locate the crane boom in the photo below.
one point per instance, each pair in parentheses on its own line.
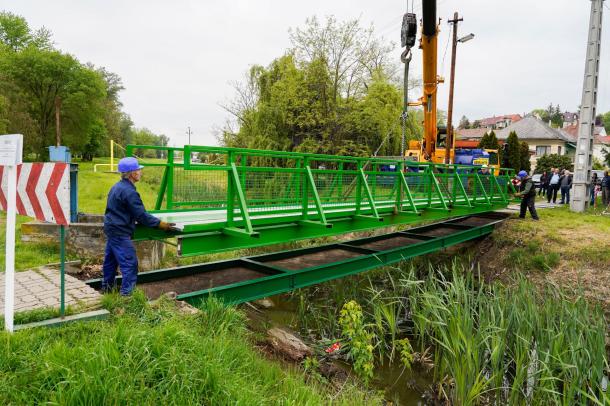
(429,41)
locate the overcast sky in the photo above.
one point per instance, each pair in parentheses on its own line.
(178,58)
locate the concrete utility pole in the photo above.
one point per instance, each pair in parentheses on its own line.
(449,140)
(584,147)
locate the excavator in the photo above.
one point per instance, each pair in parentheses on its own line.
(435,144)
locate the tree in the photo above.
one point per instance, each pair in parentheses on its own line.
(546,162)
(513,155)
(44,76)
(606,153)
(15,34)
(526,164)
(352,53)
(606,121)
(476,124)
(490,141)
(464,123)
(484,141)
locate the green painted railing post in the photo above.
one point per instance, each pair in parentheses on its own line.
(305,183)
(398,187)
(244,165)
(480,183)
(316,196)
(162,188)
(458,182)
(169,201)
(340,175)
(407,191)
(369,195)
(297,179)
(358,189)
(374,182)
(230,190)
(241,199)
(428,174)
(438,190)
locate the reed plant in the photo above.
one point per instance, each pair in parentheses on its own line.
(491,343)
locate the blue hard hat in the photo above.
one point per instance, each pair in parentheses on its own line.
(129,164)
(522,174)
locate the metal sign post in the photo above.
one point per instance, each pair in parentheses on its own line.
(11,148)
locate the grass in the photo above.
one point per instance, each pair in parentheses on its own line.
(491,343)
(565,248)
(93,187)
(151,354)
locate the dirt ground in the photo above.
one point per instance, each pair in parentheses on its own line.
(567,249)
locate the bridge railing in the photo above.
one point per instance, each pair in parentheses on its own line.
(243,186)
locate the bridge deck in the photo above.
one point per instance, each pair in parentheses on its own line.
(249,278)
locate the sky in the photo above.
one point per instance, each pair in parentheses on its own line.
(178,59)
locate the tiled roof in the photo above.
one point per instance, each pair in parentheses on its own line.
(494,120)
(530,128)
(470,133)
(572,133)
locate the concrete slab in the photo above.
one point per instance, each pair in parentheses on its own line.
(40,288)
(56,322)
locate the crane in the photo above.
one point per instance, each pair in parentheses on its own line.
(433,146)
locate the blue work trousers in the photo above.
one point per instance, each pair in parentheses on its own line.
(120,252)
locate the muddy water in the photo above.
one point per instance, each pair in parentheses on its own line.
(401,387)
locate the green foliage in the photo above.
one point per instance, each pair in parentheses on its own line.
(606,153)
(358,339)
(406,352)
(15,34)
(515,344)
(606,121)
(524,149)
(552,114)
(464,123)
(34,76)
(330,94)
(546,162)
(150,354)
(597,164)
(532,256)
(513,155)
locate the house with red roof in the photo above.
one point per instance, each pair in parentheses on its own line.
(499,122)
(601,140)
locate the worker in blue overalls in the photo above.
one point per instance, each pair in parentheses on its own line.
(123,209)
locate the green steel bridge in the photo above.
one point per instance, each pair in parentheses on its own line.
(230,198)
(225,199)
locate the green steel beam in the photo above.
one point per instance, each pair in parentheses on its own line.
(274,277)
(211,242)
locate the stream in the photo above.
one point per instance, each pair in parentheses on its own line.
(400,387)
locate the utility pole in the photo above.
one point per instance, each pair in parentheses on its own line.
(57,121)
(189,134)
(586,125)
(449,138)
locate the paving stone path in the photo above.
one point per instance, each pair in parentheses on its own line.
(39,288)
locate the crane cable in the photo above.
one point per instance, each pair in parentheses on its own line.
(406,59)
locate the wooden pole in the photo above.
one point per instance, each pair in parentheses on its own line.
(449,139)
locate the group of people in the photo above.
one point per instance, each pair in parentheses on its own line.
(553,182)
(600,187)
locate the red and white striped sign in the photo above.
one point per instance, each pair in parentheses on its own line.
(43,191)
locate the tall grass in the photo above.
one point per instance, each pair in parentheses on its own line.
(491,343)
(510,345)
(151,355)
